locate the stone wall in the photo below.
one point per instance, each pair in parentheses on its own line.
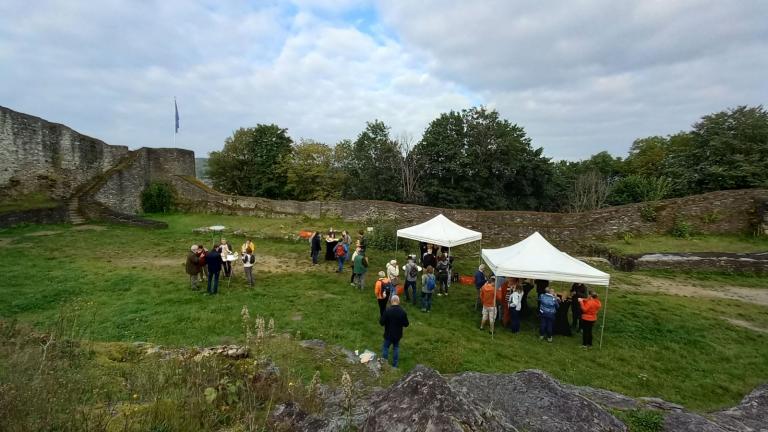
(40,156)
(734,211)
(39,216)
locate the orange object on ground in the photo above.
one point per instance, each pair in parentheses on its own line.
(305,234)
(466,280)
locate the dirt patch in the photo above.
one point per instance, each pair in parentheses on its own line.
(43,233)
(265,264)
(88,228)
(672,287)
(297,317)
(6,241)
(747,325)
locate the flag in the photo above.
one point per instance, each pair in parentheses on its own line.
(176,107)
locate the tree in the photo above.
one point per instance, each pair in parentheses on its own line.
(475,159)
(647,155)
(590,191)
(253,162)
(637,188)
(312,174)
(409,168)
(373,165)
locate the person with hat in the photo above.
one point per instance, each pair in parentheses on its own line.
(393,273)
(383,290)
(488,300)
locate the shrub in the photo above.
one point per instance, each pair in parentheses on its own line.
(681,228)
(711,217)
(157,198)
(642,420)
(648,213)
(384,234)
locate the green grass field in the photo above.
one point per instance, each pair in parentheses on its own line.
(128,284)
(697,243)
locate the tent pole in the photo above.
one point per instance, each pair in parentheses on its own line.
(605,312)
(396,248)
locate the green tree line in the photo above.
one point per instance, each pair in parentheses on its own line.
(474,158)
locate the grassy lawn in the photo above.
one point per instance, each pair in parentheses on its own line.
(128,284)
(27,202)
(703,243)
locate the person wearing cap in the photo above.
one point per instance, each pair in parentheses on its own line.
(488,300)
(394,320)
(382,289)
(193,267)
(393,273)
(411,271)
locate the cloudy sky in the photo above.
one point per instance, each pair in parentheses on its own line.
(581,76)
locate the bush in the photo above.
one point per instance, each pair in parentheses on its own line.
(648,213)
(157,198)
(384,234)
(642,420)
(681,228)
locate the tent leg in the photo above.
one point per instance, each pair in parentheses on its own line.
(605,312)
(396,239)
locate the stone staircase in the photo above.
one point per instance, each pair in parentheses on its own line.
(73,211)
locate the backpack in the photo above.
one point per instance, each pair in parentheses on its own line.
(249,259)
(430,285)
(340,250)
(413,272)
(387,289)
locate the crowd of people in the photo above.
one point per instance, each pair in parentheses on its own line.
(500,299)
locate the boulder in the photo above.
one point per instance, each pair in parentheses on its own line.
(751,414)
(423,401)
(531,400)
(682,421)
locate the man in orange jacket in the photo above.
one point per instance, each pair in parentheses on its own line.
(488,299)
(589,308)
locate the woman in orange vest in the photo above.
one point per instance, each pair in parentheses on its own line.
(589,308)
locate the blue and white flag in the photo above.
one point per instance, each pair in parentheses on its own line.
(176,107)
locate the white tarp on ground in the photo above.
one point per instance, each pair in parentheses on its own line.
(536,258)
(440,231)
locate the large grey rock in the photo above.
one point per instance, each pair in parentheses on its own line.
(605,398)
(423,401)
(751,413)
(531,400)
(682,421)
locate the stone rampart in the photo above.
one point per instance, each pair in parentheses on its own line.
(720,212)
(40,156)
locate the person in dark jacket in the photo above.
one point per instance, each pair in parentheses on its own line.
(213,260)
(578,291)
(480,280)
(315,248)
(393,320)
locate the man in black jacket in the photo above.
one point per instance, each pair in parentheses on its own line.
(213,261)
(393,320)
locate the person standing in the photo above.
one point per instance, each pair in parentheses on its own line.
(578,291)
(589,308)
(515,305)
(393,273)
(248,260)
(442,276)
(383,290)
(201,253)
(488,299)
(480,280)
(193,267)
(248,244)
(315,247)
(411,274)
(224,251)
(362,241)
(360,267)
(428,259)
(503,298)
(394,320)
(428,284)
(341,255)
(213,260)
(547,310)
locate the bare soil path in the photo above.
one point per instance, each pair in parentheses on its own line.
(673,287)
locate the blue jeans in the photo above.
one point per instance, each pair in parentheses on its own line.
(515,325)
(395,351)
(547,322)
(412,285)
(341,263)
(426,300)
(213,277)
(315,254)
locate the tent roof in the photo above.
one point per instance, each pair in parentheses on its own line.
(440,231)
(536,258)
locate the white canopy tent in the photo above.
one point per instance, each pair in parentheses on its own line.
(440,231)
(536,258)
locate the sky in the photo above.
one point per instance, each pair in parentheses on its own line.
(580,76)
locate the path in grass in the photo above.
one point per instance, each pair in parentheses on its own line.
(688,289)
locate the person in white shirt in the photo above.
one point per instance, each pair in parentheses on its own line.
(248,260)
(515,304)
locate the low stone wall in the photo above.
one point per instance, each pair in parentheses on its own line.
(38,216)
(723,212)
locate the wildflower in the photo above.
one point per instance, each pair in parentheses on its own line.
(259,328)
(135,396)
(271,327)
(246,316)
